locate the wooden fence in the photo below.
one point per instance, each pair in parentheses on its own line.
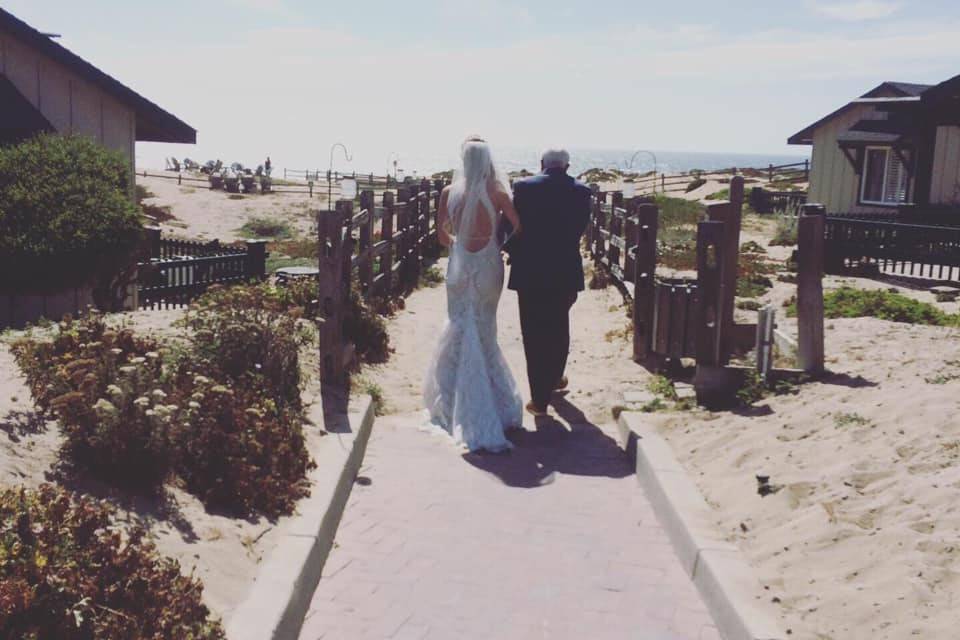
(894,248)
(313,184)
(177,272)
(380,250)
(764,201)
(680,182)
(677,318)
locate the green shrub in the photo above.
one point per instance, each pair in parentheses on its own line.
(366,329)
(66,217)
(375,391)
(677,233)
(248,336)
(238,449)
(753,279)
(752,247)
(848,302)
(104,388)
(430,277)
(662,386)
(785,234)
(67,573)
(841,420)
(752,389)
(748,305)
(266,228)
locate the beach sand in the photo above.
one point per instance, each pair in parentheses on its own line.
(861,541)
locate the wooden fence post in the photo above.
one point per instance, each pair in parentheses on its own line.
(710,260)
(616,227)
(429,223)
(404,222)
(644,288)
(386,235)
(255,266)
(810,338)
(731,214)
(592,227)
(330,231)
(630,239)
(365,269)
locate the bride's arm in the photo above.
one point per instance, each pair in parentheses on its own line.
(505,204)
(443,219)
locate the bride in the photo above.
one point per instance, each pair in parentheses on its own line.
(469,391)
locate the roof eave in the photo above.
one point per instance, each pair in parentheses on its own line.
(153,123)
(171,131)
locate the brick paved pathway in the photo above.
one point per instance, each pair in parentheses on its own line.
(554,540)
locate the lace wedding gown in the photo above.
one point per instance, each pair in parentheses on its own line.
(469,391)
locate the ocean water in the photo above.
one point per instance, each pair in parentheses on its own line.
(515,159)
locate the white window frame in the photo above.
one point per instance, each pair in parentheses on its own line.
(886,176)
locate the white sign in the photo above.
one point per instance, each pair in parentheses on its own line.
(629,190)
(348,189)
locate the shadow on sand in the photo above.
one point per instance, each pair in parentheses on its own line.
(18,424)
(570,445)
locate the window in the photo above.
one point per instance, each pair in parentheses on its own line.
(884,179)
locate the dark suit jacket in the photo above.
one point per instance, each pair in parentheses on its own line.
(554,210)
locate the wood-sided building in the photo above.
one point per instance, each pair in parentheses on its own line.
(897,147)
(44,87)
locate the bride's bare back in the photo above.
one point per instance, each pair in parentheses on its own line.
(480,227)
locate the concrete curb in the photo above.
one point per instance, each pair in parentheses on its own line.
(278,600)
(722,575)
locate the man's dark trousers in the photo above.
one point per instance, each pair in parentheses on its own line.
(545,323)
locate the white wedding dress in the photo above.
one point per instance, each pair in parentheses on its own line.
(469,391)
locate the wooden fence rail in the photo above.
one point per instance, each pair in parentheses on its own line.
(379,265)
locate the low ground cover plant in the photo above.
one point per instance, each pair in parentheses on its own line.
(677,235)
(267,228)
(102,385)
(66,572)
(785,234)
(220,411)
(848,302)
(249,336)
(753,278)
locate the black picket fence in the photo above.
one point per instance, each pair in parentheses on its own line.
(177,272)
(894,248)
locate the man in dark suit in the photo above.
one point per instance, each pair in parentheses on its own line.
(546,270)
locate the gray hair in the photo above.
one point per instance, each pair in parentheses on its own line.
(555,158)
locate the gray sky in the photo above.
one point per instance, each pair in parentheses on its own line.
(290,77)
